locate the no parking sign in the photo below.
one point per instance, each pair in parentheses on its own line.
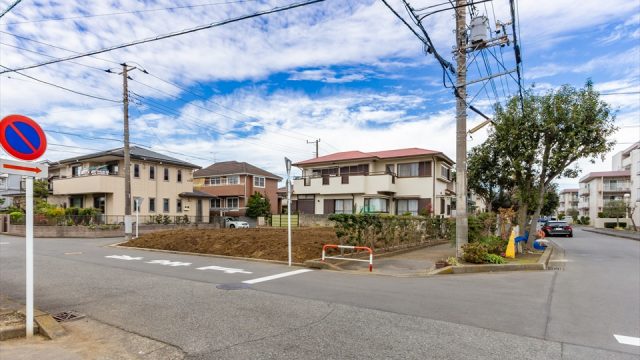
(22,137)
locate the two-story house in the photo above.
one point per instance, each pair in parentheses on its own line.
(394,182)
(162,185)
(9,187)
(231,183)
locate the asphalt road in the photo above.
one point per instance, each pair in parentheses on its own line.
(568,314)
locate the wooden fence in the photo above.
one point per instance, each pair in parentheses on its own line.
(281,220)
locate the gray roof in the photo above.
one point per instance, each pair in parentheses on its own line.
(233,168)
(135,152)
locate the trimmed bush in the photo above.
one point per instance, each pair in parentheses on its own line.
(474,252)
(494,259)
(494,244)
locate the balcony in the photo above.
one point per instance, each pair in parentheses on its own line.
(351,184)
(88,184)
(617,187)
(583,205)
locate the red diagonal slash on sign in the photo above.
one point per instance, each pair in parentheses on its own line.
(23,168)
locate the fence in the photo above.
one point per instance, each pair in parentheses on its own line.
(281,220)
(99,220)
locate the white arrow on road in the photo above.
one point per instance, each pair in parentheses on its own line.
(123,257)
(627,340)
(226,270)
(168,263)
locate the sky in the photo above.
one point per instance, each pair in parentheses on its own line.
(347,72)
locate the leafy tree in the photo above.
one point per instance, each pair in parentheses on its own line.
(542,137)
(258,205)
(486,173)
(573,213)
(551,200)
(614,209)
(41,189)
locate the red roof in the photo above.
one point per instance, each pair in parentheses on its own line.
(619,173)
(359,155)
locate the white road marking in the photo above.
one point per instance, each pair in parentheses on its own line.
(627,340)
(276,276)
(226,270)
(4,243)
(123,257)
(74,253)
(169,263)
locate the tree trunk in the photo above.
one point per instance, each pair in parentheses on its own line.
(522,217)
(536,215)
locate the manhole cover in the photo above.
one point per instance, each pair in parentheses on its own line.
(234,286)
(67,316)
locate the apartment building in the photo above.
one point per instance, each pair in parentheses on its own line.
(568,200)
(398,181)
(161,184)
(597,189)
(629,159)
(231,183)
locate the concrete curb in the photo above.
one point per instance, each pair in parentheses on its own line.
(620,234)
(47,325)
(541,264)
(546,255)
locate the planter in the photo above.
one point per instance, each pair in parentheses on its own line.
(441,263)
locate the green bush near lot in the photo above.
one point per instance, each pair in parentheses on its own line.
(17,217)
(474,252)
(613,225)
(494,244)
(494,259)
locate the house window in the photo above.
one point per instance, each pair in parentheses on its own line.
(445,172)
(179,205)
(258,181)
(179,176)
(152,172)
(325,179)
(165,205)
(345,179)
(442,206)
(136,170)
(166,174)
(76,201)
(389,169)
(233,203)
(76,170)
(152,204)
(343,206)
(213,181)
(375,205)
(215,203)
(408,206)
(232,180)
(408,170)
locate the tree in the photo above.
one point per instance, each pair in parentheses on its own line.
(486,175)
(258,205)
(573,212)
(544,135)
(41,189)
(551,200)
(615,209)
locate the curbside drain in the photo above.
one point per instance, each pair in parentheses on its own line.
(233,286)
(67,316)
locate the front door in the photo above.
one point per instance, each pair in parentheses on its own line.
(199,211)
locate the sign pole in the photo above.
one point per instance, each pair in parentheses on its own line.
(288,165)
(29,250)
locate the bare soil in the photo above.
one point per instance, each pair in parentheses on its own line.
(258,243)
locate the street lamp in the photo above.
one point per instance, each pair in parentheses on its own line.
(287,163)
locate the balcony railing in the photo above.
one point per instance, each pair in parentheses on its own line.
(617,188)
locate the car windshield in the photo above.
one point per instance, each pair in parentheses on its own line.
(557,223)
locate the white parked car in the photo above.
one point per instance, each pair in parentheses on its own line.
(235,223)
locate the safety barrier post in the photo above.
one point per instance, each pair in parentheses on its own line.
(370,261)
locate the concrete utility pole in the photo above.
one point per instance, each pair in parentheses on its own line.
(128,229)
(462,225)
(315,141)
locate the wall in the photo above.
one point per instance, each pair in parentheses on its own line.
(315,220)
(86,232)
(598,223)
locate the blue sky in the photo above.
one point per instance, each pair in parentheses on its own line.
(344,71)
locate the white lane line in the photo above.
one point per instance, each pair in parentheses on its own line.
(225,269)
(4,243)
(169,263)
(123,257)
(276,276)
(627,340)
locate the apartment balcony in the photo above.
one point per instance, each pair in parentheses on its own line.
(583,192)
(617,188)
(88,184)
(347,184)
(583,205)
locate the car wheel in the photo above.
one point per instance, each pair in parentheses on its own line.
(571,235)
(546,234)
(232,226)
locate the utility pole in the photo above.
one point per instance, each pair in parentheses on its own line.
(315,141)
(128,229)
(462,224)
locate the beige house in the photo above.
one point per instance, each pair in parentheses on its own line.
(162,184)
(394,182)
(568,200)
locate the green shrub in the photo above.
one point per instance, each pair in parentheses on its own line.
(586,221)
(494,244)
(613,225)
(16,217)
(474,252)
(453,261)
(600,215)
(494,259)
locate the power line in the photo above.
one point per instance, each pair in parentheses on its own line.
(170,35)
(126,12)
(59,87)
(621,93)
(49,56)
(9,8)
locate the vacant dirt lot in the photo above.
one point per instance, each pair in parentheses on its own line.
(260,243)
